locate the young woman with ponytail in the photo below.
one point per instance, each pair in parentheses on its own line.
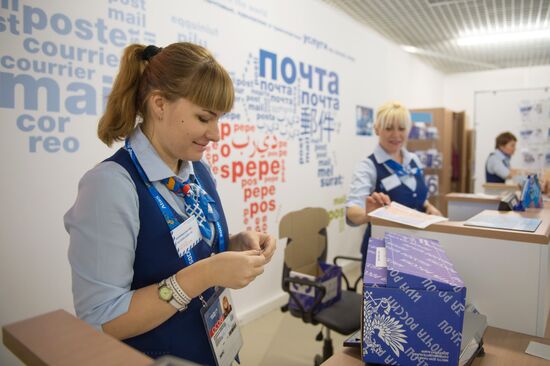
(134,277)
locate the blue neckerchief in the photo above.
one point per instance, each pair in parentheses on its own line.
(172,218)
(400,171)
(208,212)
(213,216)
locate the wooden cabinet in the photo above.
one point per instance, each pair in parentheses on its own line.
(452,143)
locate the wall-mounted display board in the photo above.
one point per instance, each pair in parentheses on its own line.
(525,113)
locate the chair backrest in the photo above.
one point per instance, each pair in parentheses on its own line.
(306,232)
(287,269)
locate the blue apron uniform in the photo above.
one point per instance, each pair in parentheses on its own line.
(156,258)
(493,178)
(401,194)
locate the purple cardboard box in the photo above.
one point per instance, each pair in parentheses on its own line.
(413,309)
(419,259)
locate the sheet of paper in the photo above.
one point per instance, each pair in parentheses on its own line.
(504,221)
(407,216)
(539,350)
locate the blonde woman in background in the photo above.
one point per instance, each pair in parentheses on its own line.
(390,173)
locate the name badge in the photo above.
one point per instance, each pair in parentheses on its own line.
(224,334)
(391,182)
(186,235)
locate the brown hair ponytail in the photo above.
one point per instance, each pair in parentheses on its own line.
(180,70)
(119,118)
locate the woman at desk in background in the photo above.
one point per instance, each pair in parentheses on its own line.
(390,173)
(497,167)
(148,235)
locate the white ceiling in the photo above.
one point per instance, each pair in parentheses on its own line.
(432,27)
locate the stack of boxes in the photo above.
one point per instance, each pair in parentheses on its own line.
(413,303)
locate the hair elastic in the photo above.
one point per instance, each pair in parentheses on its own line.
(149,52)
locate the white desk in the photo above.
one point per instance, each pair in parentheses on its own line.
(462,206)
(499,188)
(506,272)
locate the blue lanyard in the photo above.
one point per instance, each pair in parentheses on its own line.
(171,217)
(221,237)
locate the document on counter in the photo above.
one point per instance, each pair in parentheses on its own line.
(401,214)
(504,221)
(539,350)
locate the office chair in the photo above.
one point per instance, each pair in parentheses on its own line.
(301,228)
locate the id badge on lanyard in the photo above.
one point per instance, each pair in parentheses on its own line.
(220,322)
(186,235)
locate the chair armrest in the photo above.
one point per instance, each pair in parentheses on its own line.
(307,316)
(356,259)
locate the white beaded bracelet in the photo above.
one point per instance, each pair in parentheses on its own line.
(179,295)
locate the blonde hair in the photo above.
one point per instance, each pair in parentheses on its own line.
(392,113)
(180,70)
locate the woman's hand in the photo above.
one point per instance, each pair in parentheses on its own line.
(236,269)
(376,200)
(432,210)
(254,240)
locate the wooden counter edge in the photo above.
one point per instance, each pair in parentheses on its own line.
(22,352)
(37,340)
(502,348)
(540,236)
(345,357)
(466,197)
(501,186)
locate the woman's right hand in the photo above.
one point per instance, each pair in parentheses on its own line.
(376,200)
(236,269)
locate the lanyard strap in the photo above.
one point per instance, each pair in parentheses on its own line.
(171,217)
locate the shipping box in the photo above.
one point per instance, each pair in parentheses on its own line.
(413,305)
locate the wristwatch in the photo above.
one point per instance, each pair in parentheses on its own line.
(167,294)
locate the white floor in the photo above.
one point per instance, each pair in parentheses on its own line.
(279,339)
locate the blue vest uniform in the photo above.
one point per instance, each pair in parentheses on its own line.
(401,194)
(493,178)
(156,258)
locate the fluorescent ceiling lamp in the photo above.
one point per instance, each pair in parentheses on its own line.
(423,52)
(502,37)
(409,49)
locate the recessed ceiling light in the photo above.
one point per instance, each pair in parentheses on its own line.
(504,37)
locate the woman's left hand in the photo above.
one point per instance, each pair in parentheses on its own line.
(254,240)
(431,210)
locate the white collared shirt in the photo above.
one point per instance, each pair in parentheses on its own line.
(496,164)
(363,182)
